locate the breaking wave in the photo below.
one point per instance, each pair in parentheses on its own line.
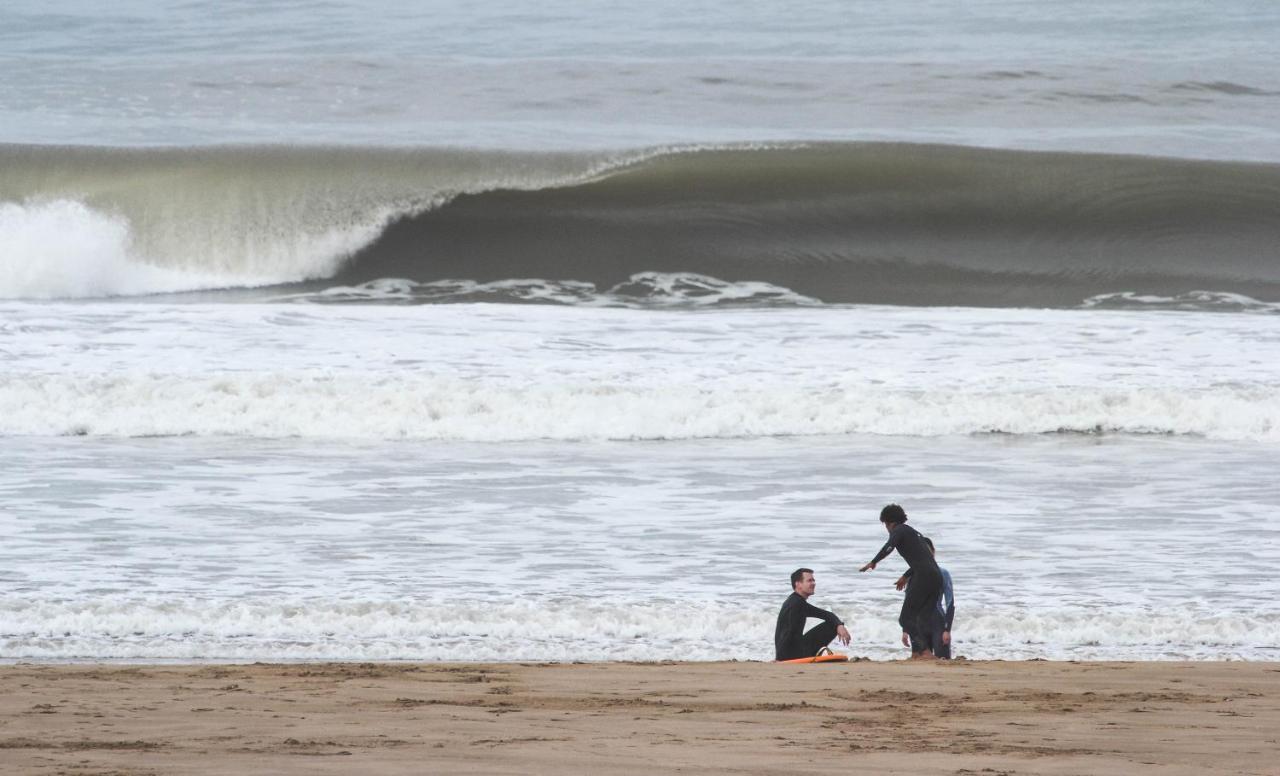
(839,223)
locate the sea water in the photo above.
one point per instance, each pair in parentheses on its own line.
(1169,77)
(567,331)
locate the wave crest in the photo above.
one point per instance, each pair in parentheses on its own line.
(145,221)
(854,222)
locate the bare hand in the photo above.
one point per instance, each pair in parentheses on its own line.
(842,635)
(906,640)
(946,637)
(901,583)
(868,567)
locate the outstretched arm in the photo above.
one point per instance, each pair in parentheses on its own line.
(884,552)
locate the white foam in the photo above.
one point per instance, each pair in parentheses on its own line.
(64,249)
(641,291)
(277,405)
(1212,301)
(508,372)
(183,629)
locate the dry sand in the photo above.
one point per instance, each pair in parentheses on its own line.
(981,718)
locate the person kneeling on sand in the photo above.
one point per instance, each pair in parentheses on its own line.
(790,640)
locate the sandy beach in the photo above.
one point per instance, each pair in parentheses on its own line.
(961,717)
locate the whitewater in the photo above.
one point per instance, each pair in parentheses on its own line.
(475,372)
(357,331)
(299,480)
(205,548)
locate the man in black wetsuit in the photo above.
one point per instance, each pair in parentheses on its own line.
(926,578)
(789,639)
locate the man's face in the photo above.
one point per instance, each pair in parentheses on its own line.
(806,585)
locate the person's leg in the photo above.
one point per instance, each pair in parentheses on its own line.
(921,596)
(818,637)
(927,642)
(930,639)
(921,643)
(907,620)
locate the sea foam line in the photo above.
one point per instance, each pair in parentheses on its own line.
(282,405)
(189,629)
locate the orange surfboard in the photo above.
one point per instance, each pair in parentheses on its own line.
(834,657)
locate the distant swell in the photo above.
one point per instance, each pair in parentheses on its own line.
(884,223)
(1224,87)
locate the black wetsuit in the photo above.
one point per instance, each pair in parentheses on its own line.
(940,619)
(789,639)
(926,582)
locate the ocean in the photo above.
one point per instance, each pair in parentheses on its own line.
(566,331)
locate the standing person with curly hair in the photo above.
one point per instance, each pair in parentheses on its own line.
(942,616)
(926,577)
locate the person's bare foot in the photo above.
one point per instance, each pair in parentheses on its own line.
(923,656)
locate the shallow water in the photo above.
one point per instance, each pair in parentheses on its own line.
(1069,547)
(438,482)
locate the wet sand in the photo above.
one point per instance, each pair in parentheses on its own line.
(981,718)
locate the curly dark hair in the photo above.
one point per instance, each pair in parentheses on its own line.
(893,514)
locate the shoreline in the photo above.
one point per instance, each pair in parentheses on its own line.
(283,662)
(887,717)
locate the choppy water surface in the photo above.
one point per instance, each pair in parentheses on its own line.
(748,273)
(224,481)
(1063,547)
